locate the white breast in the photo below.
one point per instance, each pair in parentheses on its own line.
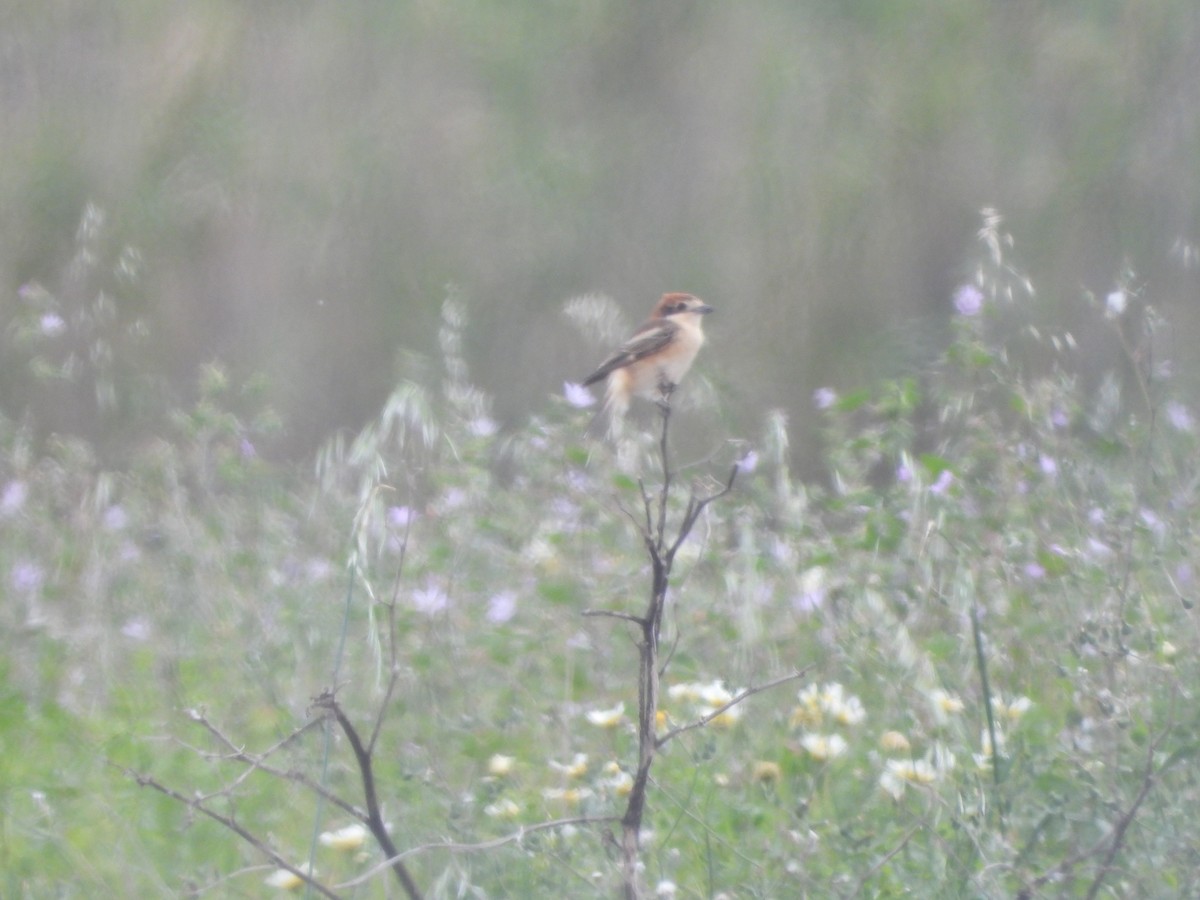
(674,364)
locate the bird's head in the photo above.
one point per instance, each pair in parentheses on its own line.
(681,305)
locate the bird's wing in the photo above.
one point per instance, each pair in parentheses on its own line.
(648,339)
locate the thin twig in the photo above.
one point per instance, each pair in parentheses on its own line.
(258,762)
(883,860)
(632,518)
(665,490)
(225,878)
(232,825)
(366,769)
(201,718)
(450,847)
(1119,830)
(1113,839)
(649,530)
(694,510)
(710,833)
(650,672)
(662,669)
(613,614)
(725,707)
(253,762)
(393,663)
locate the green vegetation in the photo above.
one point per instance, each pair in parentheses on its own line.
(995,516)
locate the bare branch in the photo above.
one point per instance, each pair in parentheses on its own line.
(1113,839)
(227,877)
(375,822)
(257,762)
(650,669)
(646,530)
(613,614)
(710,833)
(665,490)
(238,754)
(450,847)
(883,860)
(646,506)
(695,509)
(662,669)
(725,707)
(393,664)
(1149,777)
(319,789)
(231,824)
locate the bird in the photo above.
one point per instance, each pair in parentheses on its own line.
(655,358)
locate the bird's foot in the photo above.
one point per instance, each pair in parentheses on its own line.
(665,390)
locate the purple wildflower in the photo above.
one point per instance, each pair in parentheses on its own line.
(115,518)
(501,607)
(430,600)
(943,483)
(137,629)
(13,498)
(483,426)
(968,300)
(26,577)
(577,395)
(399,516)
(1180,417)
(52,325)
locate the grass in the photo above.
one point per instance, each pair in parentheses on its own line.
(992,516)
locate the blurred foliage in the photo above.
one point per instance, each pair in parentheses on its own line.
(303,180)
(993,488)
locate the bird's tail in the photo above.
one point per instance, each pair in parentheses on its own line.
(609,420)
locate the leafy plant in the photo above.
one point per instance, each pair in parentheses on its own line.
(990,594)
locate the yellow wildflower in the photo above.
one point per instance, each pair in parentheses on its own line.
(349,838)
(728,718)
(766,771)
(500,765)
(576,768)
(567,796)
(822,747)
(607,718)
(287,880)
(503,808)
(944,705)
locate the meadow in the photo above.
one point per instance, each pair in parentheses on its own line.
(974,636)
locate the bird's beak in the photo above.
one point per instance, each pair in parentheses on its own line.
(703,310)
